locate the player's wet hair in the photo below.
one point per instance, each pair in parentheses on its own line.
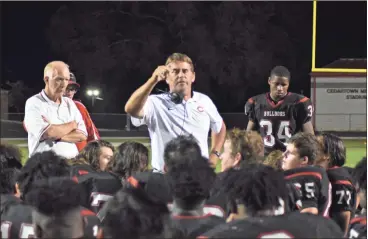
(333,147)
(280,71)
(307,145)
(54,195)
(247,143)
(191,182)
(258,187)
(91,152)
(8,179)
(56,202)
(184,147)
(41,166)
(130,157)
(77,161)
(10,164)
(274,159)
(131,213)
(10,156)
(360,174)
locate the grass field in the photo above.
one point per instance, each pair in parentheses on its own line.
(356,148)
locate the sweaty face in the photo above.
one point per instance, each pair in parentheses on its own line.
(291,158)
(227,159)
(105,156)
(58,83)
(180,77)
(278,86)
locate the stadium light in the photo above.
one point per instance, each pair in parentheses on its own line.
(94,93)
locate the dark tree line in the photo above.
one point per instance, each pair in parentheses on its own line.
(117,45)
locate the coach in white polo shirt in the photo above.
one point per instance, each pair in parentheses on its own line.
(182,111)
(53,122)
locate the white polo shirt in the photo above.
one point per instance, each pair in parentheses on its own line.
(40,106)
(166,120)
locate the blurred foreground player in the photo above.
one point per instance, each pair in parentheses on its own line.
(44,166)
(16,216)
(132,214)
(344,194)
(302,152)
(191,183)
(279,114)
(56,211)
(92,132)
(260,192)
(358,225)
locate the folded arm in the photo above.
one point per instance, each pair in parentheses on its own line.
(74,137)
(58,131)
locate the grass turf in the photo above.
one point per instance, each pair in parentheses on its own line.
(356,148)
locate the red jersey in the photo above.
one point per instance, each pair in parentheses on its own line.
(90,126)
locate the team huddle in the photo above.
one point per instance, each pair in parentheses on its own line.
(278,179)
(52,197)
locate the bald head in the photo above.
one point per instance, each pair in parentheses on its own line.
(56,77)
(55,68)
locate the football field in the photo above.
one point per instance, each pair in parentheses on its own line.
(356,148)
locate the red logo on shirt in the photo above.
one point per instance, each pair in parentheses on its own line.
(200,108)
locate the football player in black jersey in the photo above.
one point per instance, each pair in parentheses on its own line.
(279,114)
(240,147)
(155,183)
(343,190)
(56,211)
(301,153)
(260,193)
(190,183)
(358,225)
(16,216)
(132,214)
(46,165)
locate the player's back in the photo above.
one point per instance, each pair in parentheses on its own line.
(218,196)
(314,185)
(358,227)
(92,223)
(292,225)
(154,184)
(103,186)
(344,194)
(277,122)
(16,218)
(193,226)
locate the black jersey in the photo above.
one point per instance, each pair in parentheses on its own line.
(193,226)
(16,218)
(103,187)
(292,225)
(314,186)
(154,184)
(358,227)
(344,194)
(277,122)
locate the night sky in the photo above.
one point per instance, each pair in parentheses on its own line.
(342,33)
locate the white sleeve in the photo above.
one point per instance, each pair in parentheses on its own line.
(215,117)
(78,118)
(136,121)
(34,120)
(149,111)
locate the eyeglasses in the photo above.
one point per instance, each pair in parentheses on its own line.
(71,89)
